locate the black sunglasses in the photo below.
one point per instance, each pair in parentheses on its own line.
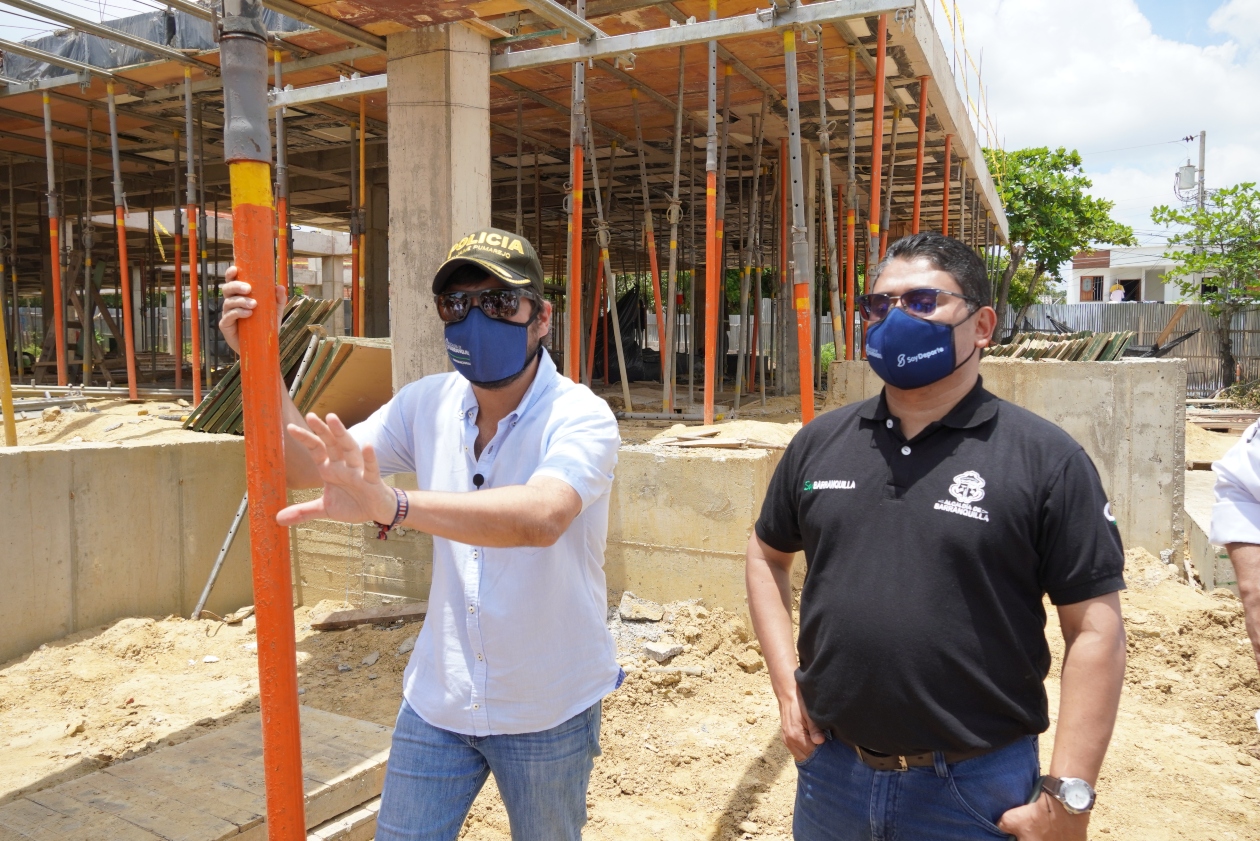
(496,303)
(919,302)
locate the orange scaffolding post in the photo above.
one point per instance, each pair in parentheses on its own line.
(120,224)
(949,139)
(54,246)
(355,256)
(877,142)
(712,259)
(360,279)
(850,280)
(577,127)
(194,281)
(924,81)
(247,151)
(802,265)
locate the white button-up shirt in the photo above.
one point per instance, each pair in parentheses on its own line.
(515,640)
(1236,513)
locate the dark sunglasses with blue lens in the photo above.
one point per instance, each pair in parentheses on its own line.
(918,302)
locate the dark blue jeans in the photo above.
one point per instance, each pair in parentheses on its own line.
(434,775)
(840,798)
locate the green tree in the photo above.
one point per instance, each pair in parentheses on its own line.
(1218,258)
(1051,216)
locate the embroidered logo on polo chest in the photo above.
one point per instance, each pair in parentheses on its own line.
(967,490)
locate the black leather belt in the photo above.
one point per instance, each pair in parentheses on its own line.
(894,762)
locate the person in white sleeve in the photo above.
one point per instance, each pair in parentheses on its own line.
(1236,523)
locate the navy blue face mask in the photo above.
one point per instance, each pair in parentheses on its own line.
(489,352)
(908,352)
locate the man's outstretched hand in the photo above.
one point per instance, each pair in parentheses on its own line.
(353,490)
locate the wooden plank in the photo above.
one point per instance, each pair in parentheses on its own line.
(205,792)
(361,385)
(95,824)
(149,809)
(1172,322)
(341,619)
(31,821)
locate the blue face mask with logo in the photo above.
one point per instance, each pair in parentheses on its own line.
(908,352)
(487,350)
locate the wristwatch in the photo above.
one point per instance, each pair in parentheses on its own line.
(1076,795)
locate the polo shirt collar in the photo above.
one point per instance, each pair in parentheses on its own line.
(976,408)
(544,379)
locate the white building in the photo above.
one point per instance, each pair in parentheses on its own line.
(1138,271)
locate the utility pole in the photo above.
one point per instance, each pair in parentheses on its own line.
(1202,161)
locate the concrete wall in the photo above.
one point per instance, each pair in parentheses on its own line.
(96,532)
(678,524)
(1129,416)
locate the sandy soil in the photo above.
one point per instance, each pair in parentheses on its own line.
(685,757)
(1203,445)
(104,421)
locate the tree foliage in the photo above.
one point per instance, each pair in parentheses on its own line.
(1051,216)
(1217,253)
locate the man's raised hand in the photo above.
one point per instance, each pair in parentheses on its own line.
(353,490)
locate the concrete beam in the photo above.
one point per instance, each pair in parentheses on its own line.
(756,23)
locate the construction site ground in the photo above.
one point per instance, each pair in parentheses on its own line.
(684,756)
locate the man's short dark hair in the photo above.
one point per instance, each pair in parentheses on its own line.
(948,255)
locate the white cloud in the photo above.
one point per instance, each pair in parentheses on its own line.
(1091,75)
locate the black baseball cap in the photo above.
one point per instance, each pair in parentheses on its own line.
(500,253)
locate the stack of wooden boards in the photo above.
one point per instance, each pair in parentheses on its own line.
(1084,346)
(348,376)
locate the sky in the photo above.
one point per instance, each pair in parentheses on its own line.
(1118,80)
(1121,81)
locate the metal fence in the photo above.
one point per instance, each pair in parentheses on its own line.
(1148,319)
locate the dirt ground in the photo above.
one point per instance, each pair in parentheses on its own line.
(104,421)
(685,757)
(1204,445)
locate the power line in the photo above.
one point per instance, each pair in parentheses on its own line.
(1143,146)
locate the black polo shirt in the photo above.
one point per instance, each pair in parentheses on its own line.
(922,625)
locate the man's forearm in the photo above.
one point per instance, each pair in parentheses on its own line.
(1246,560)
(769,603)
(1093,676)
(520,515)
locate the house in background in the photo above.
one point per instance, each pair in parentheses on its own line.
(1139,271)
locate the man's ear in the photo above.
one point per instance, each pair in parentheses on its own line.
(986,324)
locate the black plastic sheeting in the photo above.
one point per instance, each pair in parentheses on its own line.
(174,29)
(641,363)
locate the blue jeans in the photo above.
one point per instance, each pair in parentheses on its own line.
(840,798)
(434,775)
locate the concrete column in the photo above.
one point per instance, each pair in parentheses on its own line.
(332,277)
(439,177)
(376,258)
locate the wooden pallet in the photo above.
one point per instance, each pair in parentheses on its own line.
(211,788)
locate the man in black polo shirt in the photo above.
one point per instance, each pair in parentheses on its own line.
(933,519)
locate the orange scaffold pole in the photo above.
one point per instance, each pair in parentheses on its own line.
(194,308)
(54,246)
(877,143)
(802,265)
(247,151)
(120,224)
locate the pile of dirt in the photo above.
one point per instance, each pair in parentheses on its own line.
(691,746)
(768,432)
(1204,445)
(104,421)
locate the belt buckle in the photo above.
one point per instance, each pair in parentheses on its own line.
(901,760)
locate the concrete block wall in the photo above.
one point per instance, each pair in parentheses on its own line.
(1129,416)
(96,532)
(345,562)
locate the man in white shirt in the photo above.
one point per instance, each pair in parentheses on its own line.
(515,466)
(1236,523)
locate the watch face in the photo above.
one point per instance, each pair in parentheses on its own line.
(1077,795)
